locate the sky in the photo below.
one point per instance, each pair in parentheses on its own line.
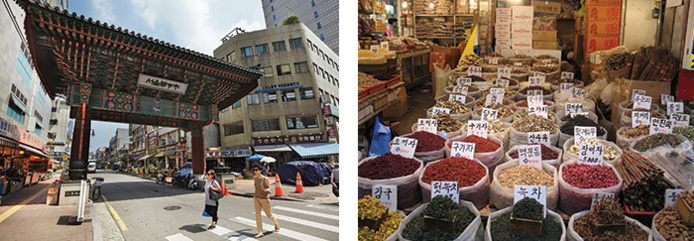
(194,24)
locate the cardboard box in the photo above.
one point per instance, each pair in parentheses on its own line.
(593,44)
(521,43)
(603,13)
(506,26)
(603,2)
(441,59)
(503,34)
(622,91)
(545,45)
(503,19)
(608,29)
(503,12)
(522,32)
(550,36)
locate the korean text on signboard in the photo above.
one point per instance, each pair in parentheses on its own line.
(157,83)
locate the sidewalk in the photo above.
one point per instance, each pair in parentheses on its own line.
(24,215)
(322,193)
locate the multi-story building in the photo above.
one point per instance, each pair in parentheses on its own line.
(119,144)
(321,16)
(60,129)
(139,143)
(301,76)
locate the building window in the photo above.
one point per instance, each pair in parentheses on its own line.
(306,93)
(321,37)
(262,49)
(272,7)
(270,97)
(303,122)
(315,68)
(301,67)
(231,57)
(315,14)
(323,73)
(37,130)
(274,18)
(15,112)
(310,45)
(288,95)
(332,98)
(321,54)
(267,71)
(279,46)
(224,110)
(265,125)
(253,99)
(246,51)
(236,105)
(318,24)
(337,101)
(24,64)
(233,129)
(313,3)
(295,43)
(283,69)
(337,82)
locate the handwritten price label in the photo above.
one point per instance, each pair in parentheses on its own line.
(503,73)
(463,149)
(489,114)
(387,194)
(464,81)
(671,196)
(541,137)
(540,75)
(642,102)
(538,110)
(459,98)
(497,91)
(494,61)
(384,45)
(584,133)
(478,128)
(660,126)
(640,118)
(675,107)
(428,125)
(530,155)
(577,94)
(374,48)
(535,100)
(679,119)
(567,75)
(446,189)
(404,146)
(566,88)
(599,197)
(539,193)
(573,115)
(534,81)
(460,89)
(664,99)
(590,154)
(503,82)
(573,108)
(474,70)
(534,92)
(493,99)
(636,92)
(438,110)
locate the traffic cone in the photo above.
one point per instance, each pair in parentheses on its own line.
(299,184)
(225,191)
(278,187)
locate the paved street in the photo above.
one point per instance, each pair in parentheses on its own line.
(139,207)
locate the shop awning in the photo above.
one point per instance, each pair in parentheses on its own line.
(272,148)
(144,157)
(4,141)
(138,157)
(160,154)
(169,153)
(33,151)
(316,150)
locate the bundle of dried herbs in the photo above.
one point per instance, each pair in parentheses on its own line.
(644,183)
(439,207)
(654,64)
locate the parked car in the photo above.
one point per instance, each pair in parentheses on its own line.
(91,167)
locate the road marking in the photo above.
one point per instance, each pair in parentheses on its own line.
(16,208)
(178,237)
(323,215)
(307,223)
(323,207)
(114,214)
(228,234)
(283,231)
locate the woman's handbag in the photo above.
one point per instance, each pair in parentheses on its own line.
(214,195)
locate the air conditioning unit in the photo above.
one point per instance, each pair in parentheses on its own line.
(31,124)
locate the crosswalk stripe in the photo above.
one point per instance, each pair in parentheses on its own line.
(307,223)
(322,215)
(178,237)
(283,231)
(228,234)
(323,207)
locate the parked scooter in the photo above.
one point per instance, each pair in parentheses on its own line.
(180,180)
(164,178)
(192,182)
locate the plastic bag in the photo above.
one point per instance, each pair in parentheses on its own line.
(470,233)
(380,139)
(565,137)
(521,138)
(489,159)
(428,156)
(502,197)
(204,213)
(461,117)
(478,193)
(554,162)
(573,235)
(493,216)
(573,199)
(408,188)
(571,156)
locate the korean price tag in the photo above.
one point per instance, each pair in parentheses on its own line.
(494,61)
(497,91)
(464,81)
(599,197)
(565,88)
(387,194)
(642,102)
(446,189)
(384,45)
(460,89)
(577,94)
(674,107)
(374,48)
(493,99)
(541,137)
(530,155)
(664,99)
(503,82)
(538,110)
(636,92)
(489,114)
(478,128)
(573,115)
(534,81)
(547,61)
(518,64)
(573,108)
(671,196)
(640,118)
(404,146)
(463,149)
(474,70)
(459,98)
(660,126)
(535,100)
(584,133)
(438,110)
(538,193)
(534,93)
(428,125)
(590,154)
(679,119)
(567,75)
(540,75)
(503,73)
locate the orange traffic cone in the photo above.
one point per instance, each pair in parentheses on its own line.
(225,191)
(278,187)
(299,184)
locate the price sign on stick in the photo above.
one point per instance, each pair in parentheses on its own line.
(489,114)
(535,100)
(664,99)
(446,189)
(573,108)
(474,70)
(493,99)
(460,89)
(497,91)
(530,155)
(671,196)
(640,118)
(384,45)
(642,102)
(573,115)
(464,81)
(437,110)
(540,75)
(534,93)
(463,149)
(636,92)
(590,154)
(404,146)
(374,48)
(599,197)
(387,194)
(660,126)
(679,119)
(538,110)
(478,128)
(541,137)
(674,107)
(534,81)
(504,73)
(459,98)
(577,94)
(539,193)
(503,82)
(584,133)
(428,125)
(494,61)
(565,88)
(567,75)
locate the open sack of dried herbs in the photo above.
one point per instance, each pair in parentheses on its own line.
(385,222)
(430,147)
(472,177)
(391,169)
(604,223)
(550,154)
(562,117)
(445,123)
(498,226)
(647,144)
(497,129)
(459,111)
(611,155)
(532,123)
(505,114)
(626,135)
(511,173)
(669,224)
(567,129)
(465,217)
(578,182)
(489,151)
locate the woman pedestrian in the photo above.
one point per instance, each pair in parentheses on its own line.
(262,201)
(211,206)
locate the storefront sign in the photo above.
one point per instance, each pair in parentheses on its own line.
(547,7)
(287,139)
(235,151)
(157,83)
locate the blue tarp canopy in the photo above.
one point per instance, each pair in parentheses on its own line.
(316,150)
(312,173)
(255,157)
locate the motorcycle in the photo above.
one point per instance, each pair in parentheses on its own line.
(164,178)
(180,180)
(192,182)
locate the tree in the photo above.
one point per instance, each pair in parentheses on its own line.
(291,20)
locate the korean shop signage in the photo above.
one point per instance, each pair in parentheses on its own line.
(157,83)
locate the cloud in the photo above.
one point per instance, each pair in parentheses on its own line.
(104,10)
